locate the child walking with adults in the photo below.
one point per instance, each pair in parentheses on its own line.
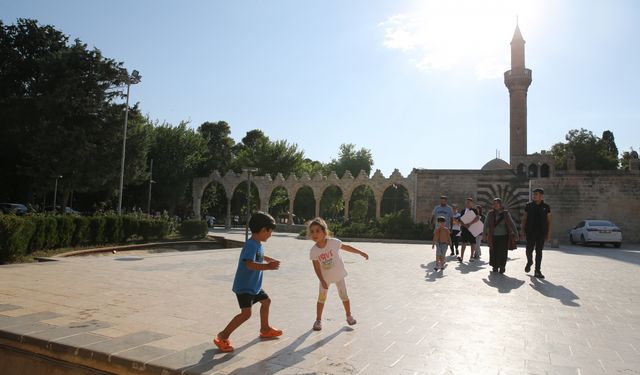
(441,242)
(329,267)
(498,226)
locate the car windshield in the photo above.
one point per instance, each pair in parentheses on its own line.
(600,223)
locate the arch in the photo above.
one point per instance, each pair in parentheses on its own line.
(300,204)
(395,198)
(521,170)
(215,202)
(362,204)
(279,204)
(533,171)
(239,201)
(545,170)
(304,204)
(332,203)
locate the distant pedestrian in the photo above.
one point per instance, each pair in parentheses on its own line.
(441,241)
(536,226)
(444,210)
(247,284)
(455,230)
(236,221)
(498,226)
(466,236)
(329,267)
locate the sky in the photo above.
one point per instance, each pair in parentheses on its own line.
(419,83)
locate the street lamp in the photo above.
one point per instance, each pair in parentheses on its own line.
(55,193)
(246,226)
(150,183)
(131,80)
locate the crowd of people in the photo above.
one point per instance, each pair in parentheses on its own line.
(455,230)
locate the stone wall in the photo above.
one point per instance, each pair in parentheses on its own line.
(593,195)
(575,196)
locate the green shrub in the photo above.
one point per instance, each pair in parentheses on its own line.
(15,236)
(96,229)
(194,229)
(156,229)
(130,226)
(45,234)
(113,230)
(65,227)
(81,231)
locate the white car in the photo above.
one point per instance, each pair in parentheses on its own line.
(596,231)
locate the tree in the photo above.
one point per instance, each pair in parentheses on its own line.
(220,144)
(350,159)
(591,152)
(625,160)
(178,155)
(60,117)
(269,157)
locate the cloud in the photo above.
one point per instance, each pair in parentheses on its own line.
(467,35)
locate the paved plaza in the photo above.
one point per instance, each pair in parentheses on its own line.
(157,313)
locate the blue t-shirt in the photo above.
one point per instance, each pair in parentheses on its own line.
(248,281)
(445,211)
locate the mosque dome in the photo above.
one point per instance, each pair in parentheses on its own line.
(496,164)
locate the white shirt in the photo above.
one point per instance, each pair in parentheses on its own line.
(331,264)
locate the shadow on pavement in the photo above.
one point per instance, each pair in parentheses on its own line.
(551,290)
(209,360)
(502,282)
(287,356)
(430,274)
(475,266)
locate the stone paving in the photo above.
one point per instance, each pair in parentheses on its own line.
(157,313)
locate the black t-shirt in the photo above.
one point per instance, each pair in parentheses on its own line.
(537,223)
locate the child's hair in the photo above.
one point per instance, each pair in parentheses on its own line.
(261,220)
(441,219)
(319,222)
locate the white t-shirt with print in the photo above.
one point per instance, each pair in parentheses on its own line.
(331,264)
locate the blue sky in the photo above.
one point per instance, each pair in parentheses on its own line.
(417,82)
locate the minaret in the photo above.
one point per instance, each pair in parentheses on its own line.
(517,81)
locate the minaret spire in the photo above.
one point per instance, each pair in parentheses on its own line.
(517,81)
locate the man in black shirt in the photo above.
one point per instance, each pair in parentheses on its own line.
(536,225)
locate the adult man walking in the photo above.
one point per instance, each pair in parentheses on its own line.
(443,209)
(536,226)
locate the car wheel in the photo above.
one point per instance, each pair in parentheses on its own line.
(617,245)
(571,240)
(584,242)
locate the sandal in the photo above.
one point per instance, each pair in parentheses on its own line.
(317,325)
(223,345)
(351,320)
(272,332)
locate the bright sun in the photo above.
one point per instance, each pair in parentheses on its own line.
(443,35)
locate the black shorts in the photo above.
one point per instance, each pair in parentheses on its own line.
(246,300)
(467,237)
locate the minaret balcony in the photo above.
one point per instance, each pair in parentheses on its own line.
(517,78)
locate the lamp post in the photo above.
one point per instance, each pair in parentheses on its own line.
(246,226)
(150,183)
(55,193)
(131,80)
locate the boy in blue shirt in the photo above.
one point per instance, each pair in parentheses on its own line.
(247,284)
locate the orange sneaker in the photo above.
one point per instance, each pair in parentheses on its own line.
(272,332)
(223,345)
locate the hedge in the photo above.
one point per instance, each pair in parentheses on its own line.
(397,225)
(22,235)
(194,229)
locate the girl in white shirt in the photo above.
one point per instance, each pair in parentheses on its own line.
(328,265)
